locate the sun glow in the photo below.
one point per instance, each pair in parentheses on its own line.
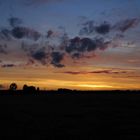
(94,86)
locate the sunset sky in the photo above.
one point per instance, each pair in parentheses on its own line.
(76,44)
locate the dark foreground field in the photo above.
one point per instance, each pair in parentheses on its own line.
(70,116)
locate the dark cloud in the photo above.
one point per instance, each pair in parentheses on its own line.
(49,33)
(39,55)
(77,46)
(73,45)
(90,27)
(14,21)
(126,24)
(25,32)
(103,28)
(74,72)
(35,53)
(18,32)
(87,44)
(102,44)
(58,65)
(87,28)
(7,65)
(95,72)
(3,49)
(5,34)
(57,57)
(43,56)
(81,45)
(108,72)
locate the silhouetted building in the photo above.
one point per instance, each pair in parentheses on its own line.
(29,89)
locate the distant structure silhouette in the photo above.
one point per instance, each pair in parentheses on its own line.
(13,86)
(37,89)
(64,90)
(30,89)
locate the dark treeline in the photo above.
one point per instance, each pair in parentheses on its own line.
(32,90)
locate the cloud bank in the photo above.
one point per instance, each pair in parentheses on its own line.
(53,47)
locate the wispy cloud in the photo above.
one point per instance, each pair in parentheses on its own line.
(5,34)
(126,24)
(90,27)
(7,65)
(15,21)
(95,72)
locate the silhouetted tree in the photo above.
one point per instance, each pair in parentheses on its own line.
(25,87)
(13,86)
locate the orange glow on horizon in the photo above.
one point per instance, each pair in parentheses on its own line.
(55,78)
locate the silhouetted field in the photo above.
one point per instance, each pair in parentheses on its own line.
(70,115)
